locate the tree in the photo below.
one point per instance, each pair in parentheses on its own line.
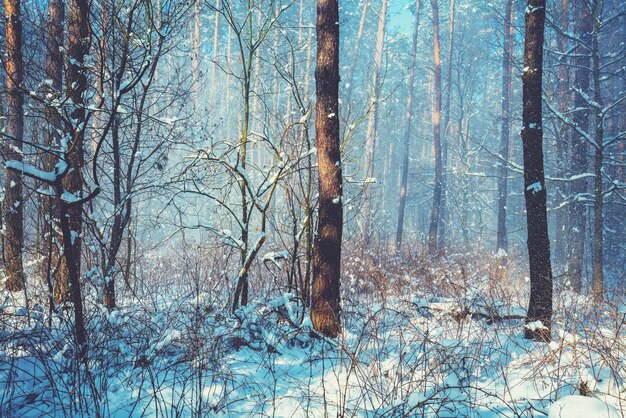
(57,272)
(371,142)
(13,201)
(507,69)
(404,169)
(540,305)
(444,213)
(325,307)
(579,152)
(593,121)
(437,187)
(77,48)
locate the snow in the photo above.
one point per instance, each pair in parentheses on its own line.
(29,170)
(394,359)
(535,187)
(576,406)
(535,325)
(275,257)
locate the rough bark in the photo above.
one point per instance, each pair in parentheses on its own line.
(436,118)
(507,70)
(12,205)
(540,304)
(579,152)
(404,169)
(325,306)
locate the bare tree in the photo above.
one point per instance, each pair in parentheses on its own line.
(446,131)
(539,316)
(436,208)
(580,151)
(325,307)
(507,70)
(404,169)
(371,141)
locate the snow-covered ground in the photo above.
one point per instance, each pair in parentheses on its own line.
(170,354)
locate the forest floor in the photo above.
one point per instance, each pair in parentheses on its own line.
(450,346)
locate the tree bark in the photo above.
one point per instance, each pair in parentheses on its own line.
(436,208)
(502,243)
(13,204)
(325,307)
(404,169)
(540,304)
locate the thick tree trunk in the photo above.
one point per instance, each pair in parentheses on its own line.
(502,243)
(54,73)
(579,152)
(540,305)
(13,203)
(404,169)
(436,208)
(372,122)
(325,307)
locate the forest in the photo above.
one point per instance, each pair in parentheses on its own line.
(313,208)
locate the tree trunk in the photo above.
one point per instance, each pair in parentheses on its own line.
(195,55)
(435,214)
(13,204)
(502,243)
(372,122)
(71,217)
(579,152)
(325,307)
(563,98)
(404,169)
(54,73)
(446,133)
(357,46)
(597,274)
(540,305)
